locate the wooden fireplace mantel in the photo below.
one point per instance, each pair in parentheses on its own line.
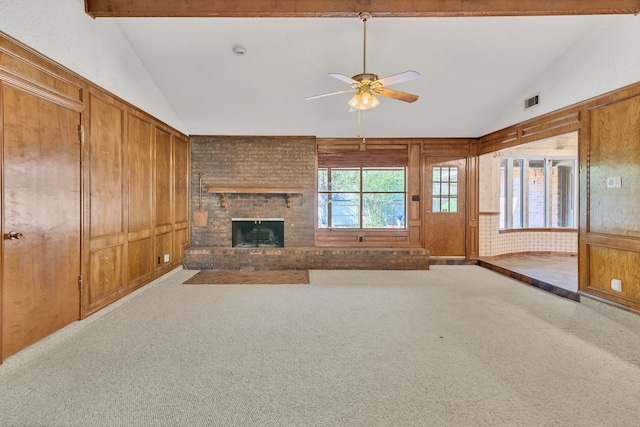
(223,190)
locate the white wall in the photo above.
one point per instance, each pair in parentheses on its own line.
(95,49)
(608,58)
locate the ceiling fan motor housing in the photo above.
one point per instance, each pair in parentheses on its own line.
(365,76)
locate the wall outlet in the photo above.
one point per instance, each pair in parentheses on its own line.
(166,257)
(616,285)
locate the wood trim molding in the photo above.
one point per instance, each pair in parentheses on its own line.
(27,70)
(351,8)
(538,230)
(555,123)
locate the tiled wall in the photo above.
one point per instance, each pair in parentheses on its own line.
(494,243)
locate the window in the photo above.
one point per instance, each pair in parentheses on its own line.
(537,193)
(361,197)
(444,197)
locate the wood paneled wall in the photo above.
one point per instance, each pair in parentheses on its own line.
(610,232)
(609,147)
(413,150)
(138,175)
(135,180)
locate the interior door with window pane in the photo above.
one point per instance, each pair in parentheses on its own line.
(445,206)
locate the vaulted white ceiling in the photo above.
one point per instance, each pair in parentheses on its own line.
(472,70)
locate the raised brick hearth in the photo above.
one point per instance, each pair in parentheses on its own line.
(215,258)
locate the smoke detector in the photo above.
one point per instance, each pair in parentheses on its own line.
(238,49)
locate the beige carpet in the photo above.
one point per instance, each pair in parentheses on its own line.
(452,346)
(276,277)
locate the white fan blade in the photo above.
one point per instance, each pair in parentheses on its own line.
(399,78)
(344,78)
(329,94)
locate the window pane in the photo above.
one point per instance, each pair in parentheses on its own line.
(340,197)
(444,189)
(383,210)
(562,198)
(453,175)
(436,204)
(436,189)
(323,210)
(503,193)
(444,204)
(345,180)
(323,180)
(436,174)
(445,175)
(345,210)
(453,204)
(536,188)
(516,195)
(383,180)
(453,189)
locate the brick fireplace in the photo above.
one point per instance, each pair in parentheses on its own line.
(261,178)
(257,162)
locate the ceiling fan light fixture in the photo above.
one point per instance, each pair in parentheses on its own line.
(363,100)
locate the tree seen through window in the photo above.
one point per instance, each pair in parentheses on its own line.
(361,197)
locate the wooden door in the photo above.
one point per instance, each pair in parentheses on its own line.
(41,200)
(445,206)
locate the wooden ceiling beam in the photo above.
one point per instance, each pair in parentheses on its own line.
(351,8)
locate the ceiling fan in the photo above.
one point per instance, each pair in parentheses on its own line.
(367,85)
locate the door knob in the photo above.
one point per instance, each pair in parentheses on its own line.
(13,235)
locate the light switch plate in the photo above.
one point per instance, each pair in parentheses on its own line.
(614,182)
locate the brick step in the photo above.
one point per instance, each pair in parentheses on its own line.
(306,258)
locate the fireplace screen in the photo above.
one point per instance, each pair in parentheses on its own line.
(257,232)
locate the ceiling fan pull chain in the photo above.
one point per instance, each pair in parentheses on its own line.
(361,127)
(364,124)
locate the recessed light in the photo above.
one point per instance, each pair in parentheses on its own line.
(239,49)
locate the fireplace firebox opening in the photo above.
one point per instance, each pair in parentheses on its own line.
(257,232)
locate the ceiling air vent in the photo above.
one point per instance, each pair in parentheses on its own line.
(528,103)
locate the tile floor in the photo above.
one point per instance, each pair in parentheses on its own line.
(556,273)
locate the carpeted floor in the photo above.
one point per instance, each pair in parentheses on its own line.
(451,346)
(279,277)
